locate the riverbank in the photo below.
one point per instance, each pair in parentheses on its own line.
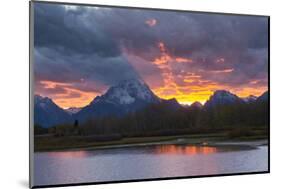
(50,143)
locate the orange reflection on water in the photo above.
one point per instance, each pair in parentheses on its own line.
(188,150)
(69,154)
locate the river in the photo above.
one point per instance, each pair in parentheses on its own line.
(146,162)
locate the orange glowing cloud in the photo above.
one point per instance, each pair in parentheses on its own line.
(222,71)
(245,91)
(151,22)
(253,82)
(163,63)
(196,89)
(183,60)
(193,87)
(66,95)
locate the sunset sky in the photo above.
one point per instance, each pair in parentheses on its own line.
(81,51)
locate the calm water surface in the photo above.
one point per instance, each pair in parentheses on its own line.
(145,162)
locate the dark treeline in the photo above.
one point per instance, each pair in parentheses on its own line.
(161,119)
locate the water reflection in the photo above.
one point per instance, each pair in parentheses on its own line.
(157,149)
(188,150)
(145,162)
(68,154)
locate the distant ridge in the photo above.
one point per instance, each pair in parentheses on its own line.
(47,113)
(126,97)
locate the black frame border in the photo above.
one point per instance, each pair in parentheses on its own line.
(135,180)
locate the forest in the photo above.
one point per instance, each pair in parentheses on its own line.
(162,120)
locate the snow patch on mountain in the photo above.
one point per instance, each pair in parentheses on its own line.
(250,98)
(72,110)
(120,95)
(127,92)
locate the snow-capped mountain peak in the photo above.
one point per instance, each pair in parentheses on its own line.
(223,94)
(127,96)
(222,97)
(39,98)
(43,102)
(127,92)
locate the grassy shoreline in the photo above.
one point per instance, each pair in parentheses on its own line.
(51,144)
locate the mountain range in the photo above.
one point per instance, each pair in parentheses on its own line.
(126,97)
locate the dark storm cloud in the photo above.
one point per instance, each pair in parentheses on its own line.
(87,46)
(77,69)
(71,47)
(242,41)
(68,31)
(184,33)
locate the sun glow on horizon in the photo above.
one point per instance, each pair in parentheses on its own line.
(195,87)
